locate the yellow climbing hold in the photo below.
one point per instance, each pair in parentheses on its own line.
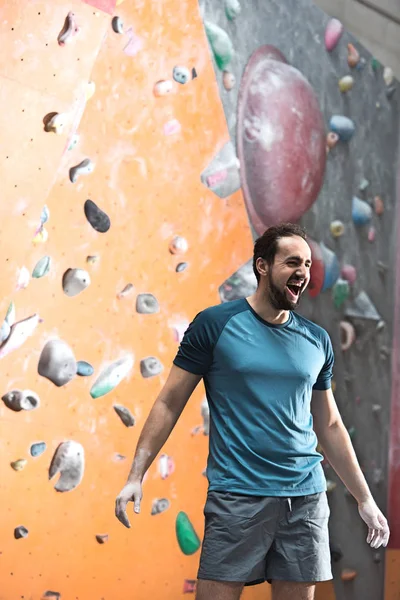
(119,2)
(346,83)
(19,464)
(90,90)
(41,236)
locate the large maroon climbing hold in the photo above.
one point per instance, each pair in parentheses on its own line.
(69,30)
(281,140)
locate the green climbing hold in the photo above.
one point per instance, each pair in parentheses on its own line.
(375,64)
(111,376)
(188,539)
(42,267)
(341,291)
(220,43)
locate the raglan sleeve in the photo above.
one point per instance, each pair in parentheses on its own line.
(195,353)
(325,376)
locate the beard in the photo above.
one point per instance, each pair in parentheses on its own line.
(279,299)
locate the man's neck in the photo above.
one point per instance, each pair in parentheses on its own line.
(259,303)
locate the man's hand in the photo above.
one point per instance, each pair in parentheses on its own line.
(378,528)
(132,492)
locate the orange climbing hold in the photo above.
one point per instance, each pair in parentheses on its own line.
(348,574)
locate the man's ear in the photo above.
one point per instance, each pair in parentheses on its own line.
(261,266)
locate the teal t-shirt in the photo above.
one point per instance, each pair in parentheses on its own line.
(259,379)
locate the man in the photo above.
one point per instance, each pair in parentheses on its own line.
(267,373)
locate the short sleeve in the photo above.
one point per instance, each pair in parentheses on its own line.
(195,352)
(325,376)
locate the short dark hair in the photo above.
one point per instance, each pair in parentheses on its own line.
(266,246)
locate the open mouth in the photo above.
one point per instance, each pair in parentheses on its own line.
(294,290)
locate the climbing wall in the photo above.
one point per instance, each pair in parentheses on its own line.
(111,244)
(315,120)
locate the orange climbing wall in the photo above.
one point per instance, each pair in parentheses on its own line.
(149,185)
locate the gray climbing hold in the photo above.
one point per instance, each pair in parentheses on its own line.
(111,376)
(222,175)
(96,217)
(150,367)
(390,91)
(178,245)
(126,291)
(74,281)
(37,449)
(57,362)
(118,25)
(159,506)
(52,595)
(241,284)
(84,369)
(181,75)
(125,415)
(20,532)
(102,538)
(194,73)
(42,267)
(181,267)
(147,304)
(363,308)
(232,9)
(69,461)
(69,29)
(83,168)
(18,400)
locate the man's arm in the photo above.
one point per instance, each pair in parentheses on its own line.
(338,449)
(157,428)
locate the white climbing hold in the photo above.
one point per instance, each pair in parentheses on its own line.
(69,461)
(75,281)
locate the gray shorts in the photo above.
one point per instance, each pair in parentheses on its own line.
(255,539)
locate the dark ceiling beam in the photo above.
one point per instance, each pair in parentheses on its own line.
(379,10)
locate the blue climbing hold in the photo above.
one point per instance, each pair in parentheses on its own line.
(38,448)
(84,369)
(361,212)
(343,127)
(332,267)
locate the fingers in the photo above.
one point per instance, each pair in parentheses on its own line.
(120,512)
(378,537)
(136,506)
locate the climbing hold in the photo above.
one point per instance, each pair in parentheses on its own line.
(375,64)
(330,486)
(57,123)
(74,281)
(361,64)
(205,413)
(343,126)
(336,553)
(57,362)
(220,43)
(73,141)
(325,270)
(125,415)
(333,32)
(331,140)
(166,466)
(353,56)
(5,330)
(348,574)
(181,267)
(222,175)
(376,408)
(42,267)
(69,461)
(194,73)
(37,449)
(178,245)
(189,586)
(239,285)
(337,228)
(382,268)
(346,83)
(102,538)
(18,400)
(188,539)
(162,88)
(11,314)
(117,25)
(349,273)
(171,127)
(380,325)
(159,506)
(126,291)
(384,352)
(181,74)
(90,90)
(92,259)
(41,236)
(84,369)
(347,335)
(49,595)
(361,212)
(150,367)
(388,76)
(119,457)
(228,79)
(20,532)
(83,168)
(23,278)
(390,91)
(377,476)
(112,375)
(371,234)
(147,304)
(19,333)
(69,30)
(179,331)
(96,217)
(364,183)
(341,291)
(19,464)
(363,308)
(232,9)
(379,207)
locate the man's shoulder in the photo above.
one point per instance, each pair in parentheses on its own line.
(222,312)
(316,330)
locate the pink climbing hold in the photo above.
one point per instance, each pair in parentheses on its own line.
(371,234)
(69,30)
(20,332)
(172,127)
(134,44)
(106,6)
(349,273)
(347,335)
(333,33)
(281,140)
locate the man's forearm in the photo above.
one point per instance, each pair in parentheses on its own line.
(156,431)
(338,449)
